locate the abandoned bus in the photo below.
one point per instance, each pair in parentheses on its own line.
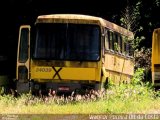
(67,52)
(156,57)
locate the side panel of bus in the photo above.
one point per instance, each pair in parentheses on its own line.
(156,57)
(119,69)
(119,62)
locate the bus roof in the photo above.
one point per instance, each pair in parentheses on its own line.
(86,19)
(156,30)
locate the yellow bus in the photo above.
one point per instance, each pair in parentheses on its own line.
(156,57)
(72,52)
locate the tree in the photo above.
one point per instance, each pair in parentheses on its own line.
(130,19)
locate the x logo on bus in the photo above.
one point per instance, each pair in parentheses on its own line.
(57,73)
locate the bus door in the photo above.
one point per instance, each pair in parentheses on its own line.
(23,59)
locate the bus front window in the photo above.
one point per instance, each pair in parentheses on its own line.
(58,41)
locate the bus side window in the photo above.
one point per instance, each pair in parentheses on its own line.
(127,48)
(115,39)
(23,50)
(131,51)
(111,42)
(119,38)
(106,40)
(123,45)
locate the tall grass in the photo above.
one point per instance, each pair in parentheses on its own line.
(115,101)
(137,97)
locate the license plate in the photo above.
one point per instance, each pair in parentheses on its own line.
(63,88)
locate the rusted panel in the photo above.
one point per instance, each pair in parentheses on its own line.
(119,67)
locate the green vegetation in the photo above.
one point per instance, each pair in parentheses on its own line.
(137,97)
(118,99)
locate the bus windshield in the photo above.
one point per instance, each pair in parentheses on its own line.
(66,41)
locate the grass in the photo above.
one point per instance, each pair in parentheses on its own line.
(117,99)
(99,107)
(136,97)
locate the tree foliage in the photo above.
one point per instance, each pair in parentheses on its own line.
(141,18)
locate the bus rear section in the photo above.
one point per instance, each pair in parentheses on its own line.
(156,57)
(63,55)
